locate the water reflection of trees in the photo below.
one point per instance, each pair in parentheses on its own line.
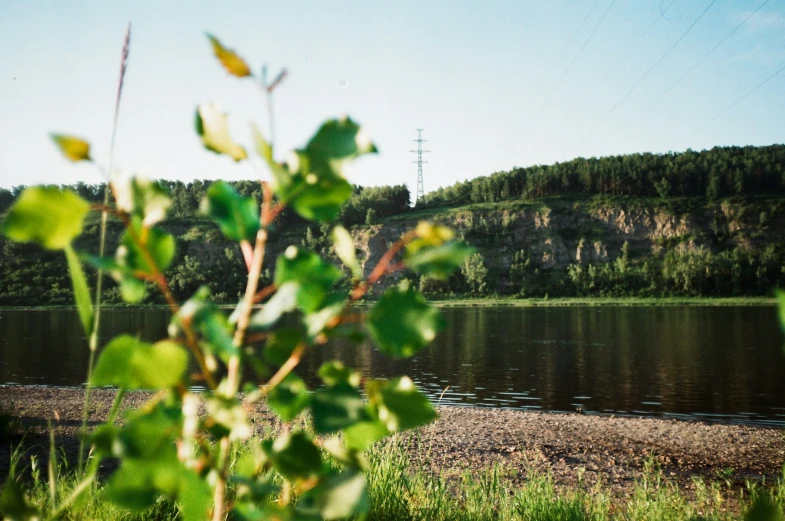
(709,360)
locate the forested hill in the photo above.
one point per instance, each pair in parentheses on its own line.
(715,173)
(691,224)
(187,197)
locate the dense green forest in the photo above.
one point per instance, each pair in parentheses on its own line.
(719,172)
(187,197)
(706,223)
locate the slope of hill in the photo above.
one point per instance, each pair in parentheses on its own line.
(555,246)
(708,223)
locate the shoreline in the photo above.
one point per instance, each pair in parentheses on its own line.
(578,451)
(705,419)
(498,302)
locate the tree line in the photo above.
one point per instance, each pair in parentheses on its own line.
(719,172)
(385,201)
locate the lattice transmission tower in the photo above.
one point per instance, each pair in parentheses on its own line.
(419,152)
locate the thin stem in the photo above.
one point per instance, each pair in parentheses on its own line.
(247,250)
(52,467)
(94,336)
(75,493)
(233,367)
(264,293)
(159,279)
(287,367)
(115,410)
(270,117)
(382,267)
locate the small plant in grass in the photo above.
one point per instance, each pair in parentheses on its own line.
(166,449)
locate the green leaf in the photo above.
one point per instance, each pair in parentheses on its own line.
(334,373)
(400,405)
(132,364)
(194,497)
(361,436)
(212,127)
(313,276)
(142,198)
(402,322)
(73,148)
(438,260)
(764,509)
(289,398)
(312,181)
(228,417)
(313,187)
(339,139)
(263,148)
(150,432)
(434,252)
(344,248)
(336,408)
(317,321)
(137,484)
(46,215)
(342,495)
(280,345)
(13,504)
(346,456)
(431,234)
(295,456)
(233,64)
(132,486)
(284,301)
(132,290)
(84,303)
(158,244)
(210,323)
(781,303)
(237,216)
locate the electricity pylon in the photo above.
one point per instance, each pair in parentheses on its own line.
(419,152)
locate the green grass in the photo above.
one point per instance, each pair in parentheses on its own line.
(491,302)
(607,301)
(399,491)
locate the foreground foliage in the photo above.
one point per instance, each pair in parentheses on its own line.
(397,491)
(168,449)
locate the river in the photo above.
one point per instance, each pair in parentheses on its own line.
(709,363)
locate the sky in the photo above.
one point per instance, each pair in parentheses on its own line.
(494,84)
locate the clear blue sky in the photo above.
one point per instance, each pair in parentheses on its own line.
(494,84)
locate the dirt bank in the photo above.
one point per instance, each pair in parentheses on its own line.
(608,450)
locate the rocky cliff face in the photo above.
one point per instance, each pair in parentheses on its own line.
(557,235)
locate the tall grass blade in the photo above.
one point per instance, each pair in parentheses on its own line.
(84,303)
(102,246)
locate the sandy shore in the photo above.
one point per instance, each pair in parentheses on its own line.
(608,450)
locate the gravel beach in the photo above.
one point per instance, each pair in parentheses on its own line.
(579,450)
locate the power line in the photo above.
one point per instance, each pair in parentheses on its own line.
(703,58)
(574,59)
(606,74)
(697,63)
(647,73)
(577,31)
(515,123)
(739,100)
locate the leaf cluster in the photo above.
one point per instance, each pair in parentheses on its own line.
(166,447)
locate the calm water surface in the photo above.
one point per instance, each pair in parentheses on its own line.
(710,363)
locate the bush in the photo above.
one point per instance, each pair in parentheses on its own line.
(166,448)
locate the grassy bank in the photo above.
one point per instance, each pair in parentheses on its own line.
(627,301)
(517,302)
(400,492)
